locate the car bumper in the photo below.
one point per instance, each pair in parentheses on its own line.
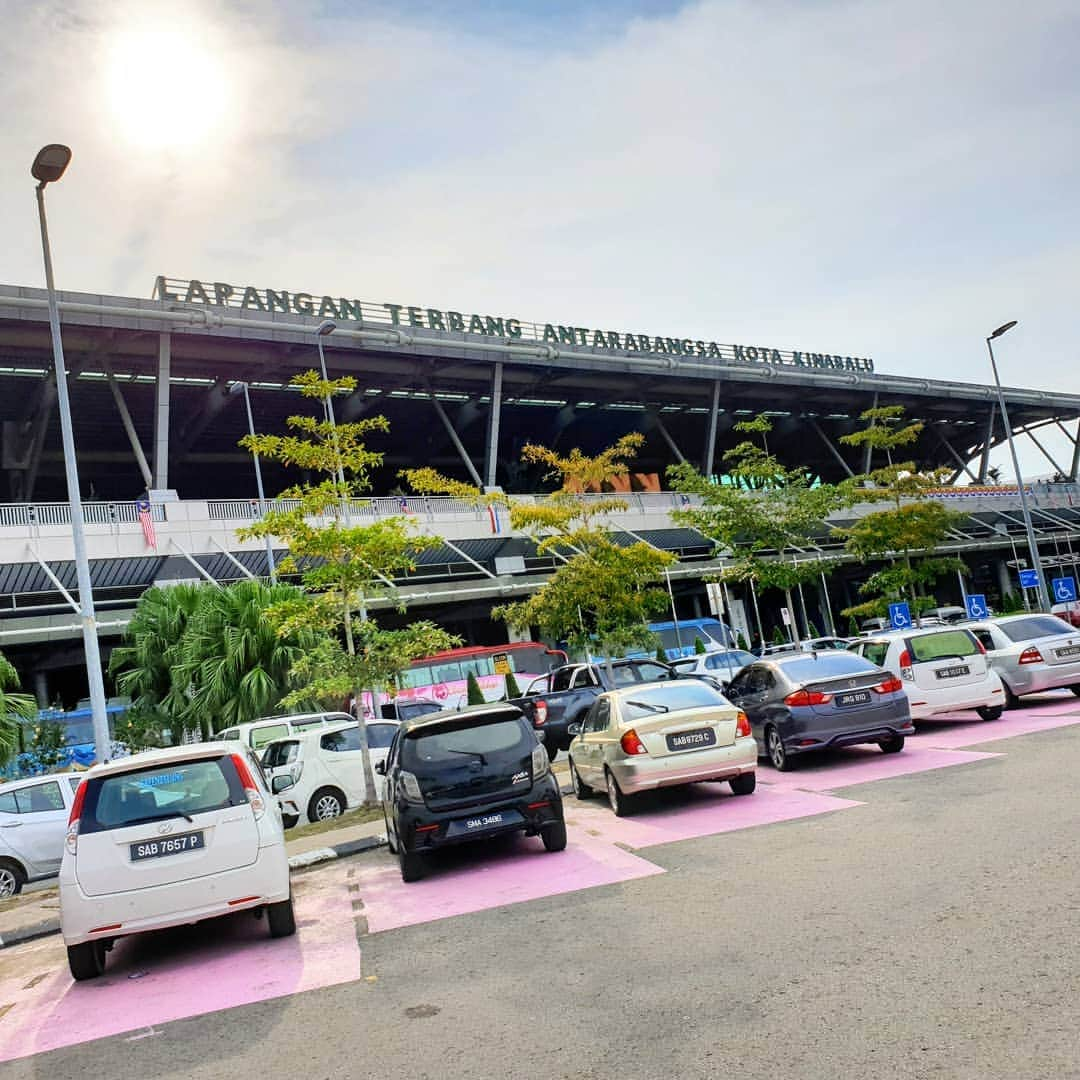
(421,829)
(645,773)
(265,881)
(846,736)
(1031,678)
(974,697)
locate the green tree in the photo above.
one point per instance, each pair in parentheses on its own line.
(699,647)
(344,564)
(511,685)
(473,694)
(47,745)
(661,654)
(16,709)
(914,526)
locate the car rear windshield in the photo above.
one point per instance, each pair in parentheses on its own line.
(1035,627)
(426,750)
(159,792)
(658,699)
(824,666)
(280,753)
(937,646)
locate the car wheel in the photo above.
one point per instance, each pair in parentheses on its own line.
(1075,688)
(774,747)
(581,789)
(620,804)
(281,919)
(744,783)
(554,836)
(389,836)
(990,712)
(1011,700)
(552,751)
(289,821)
(893,745)
(412,864)
(326,804)
(87,961)
(12,879)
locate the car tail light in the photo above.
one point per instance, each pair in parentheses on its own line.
(632,744)
(540,762)
(889,686)
(808,697)
(906,670)
(539,713)
(1030,655)
(411,786)
(71,842)
(247,782)
(742,725)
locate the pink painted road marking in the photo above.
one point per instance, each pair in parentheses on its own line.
(217,965)
(1042,716)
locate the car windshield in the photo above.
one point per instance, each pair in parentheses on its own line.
(175,789)
(948,643)
(824,666)
(428,751)
(733,659)
(280,753)
(678,695)
(1035,627)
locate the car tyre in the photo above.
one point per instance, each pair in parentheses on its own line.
(326,804)
(554,836)
(893,745)
(389,838)
(1011,700)
(289,821)
(12,879)
(621,805)
(552,751)
(87,961)
(581,789)
(774,748)
(281,919)
(1075,688)
(412,864)
(990,712)
(744,783)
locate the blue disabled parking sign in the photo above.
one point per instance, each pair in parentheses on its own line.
(1064,589)
(900,616)
(1029,579)
(976,606)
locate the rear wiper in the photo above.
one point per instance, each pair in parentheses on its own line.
(163,817)
(648,706)
(471,753)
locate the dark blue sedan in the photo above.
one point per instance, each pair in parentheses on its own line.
(802,702)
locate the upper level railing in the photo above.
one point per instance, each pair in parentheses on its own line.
(94,513)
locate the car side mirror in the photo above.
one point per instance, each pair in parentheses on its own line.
(380,767)
(573,729)
(281,783)
(732,692)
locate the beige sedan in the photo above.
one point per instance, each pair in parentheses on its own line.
(660,734)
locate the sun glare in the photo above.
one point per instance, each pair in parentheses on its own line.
(166,88)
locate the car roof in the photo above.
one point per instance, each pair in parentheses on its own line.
(293,718)
(149,758)
(434,719)
(657,684)
(22,781)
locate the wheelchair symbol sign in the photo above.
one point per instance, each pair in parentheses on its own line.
(900,616)
(976,606)
(1064,589)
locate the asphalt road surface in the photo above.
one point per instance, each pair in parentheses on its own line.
(931,932)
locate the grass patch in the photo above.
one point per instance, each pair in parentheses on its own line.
(350,817)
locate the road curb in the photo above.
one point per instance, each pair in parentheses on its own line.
(308,859)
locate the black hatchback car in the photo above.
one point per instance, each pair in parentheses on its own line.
(453,777)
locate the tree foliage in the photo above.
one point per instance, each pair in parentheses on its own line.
(15,710)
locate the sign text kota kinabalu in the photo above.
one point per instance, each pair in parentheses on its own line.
(249,298)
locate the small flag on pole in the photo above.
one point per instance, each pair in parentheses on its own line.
(146,520)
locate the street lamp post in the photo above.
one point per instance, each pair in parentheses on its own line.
(242,388)
(48,167)
(321,331)
(1033,547)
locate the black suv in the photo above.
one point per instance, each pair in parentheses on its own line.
(453,777)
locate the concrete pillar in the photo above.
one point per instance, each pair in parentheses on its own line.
(1005,581)
(41,688)
(161,412)
(493,425)
(710,446)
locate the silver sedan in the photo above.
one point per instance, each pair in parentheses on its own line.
(1031,653)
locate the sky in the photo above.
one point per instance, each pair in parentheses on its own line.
(889,179)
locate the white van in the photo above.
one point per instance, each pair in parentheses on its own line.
(260,733)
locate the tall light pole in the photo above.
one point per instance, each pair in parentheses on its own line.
(1033,547)
(242,388)
(321,331)
(48,167)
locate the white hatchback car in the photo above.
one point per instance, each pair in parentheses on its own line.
(170,837)
(318,775)
(33,820)
(944,669)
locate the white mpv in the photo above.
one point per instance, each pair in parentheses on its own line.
(170,837)
(944,669)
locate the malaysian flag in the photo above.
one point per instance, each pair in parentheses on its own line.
(146,520)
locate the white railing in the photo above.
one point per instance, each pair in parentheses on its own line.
(95,513)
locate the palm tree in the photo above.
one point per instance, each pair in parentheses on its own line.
(235,666)
(14,709)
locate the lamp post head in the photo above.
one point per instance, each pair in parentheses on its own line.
(237,388)
(50,163)
(325,328)
(1003,329)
